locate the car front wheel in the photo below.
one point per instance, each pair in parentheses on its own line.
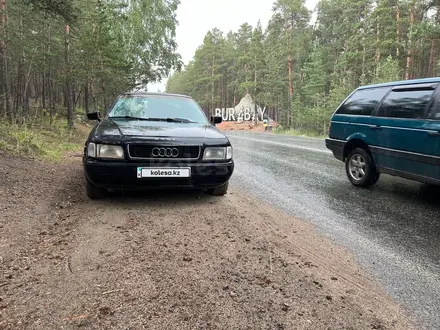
(360,168)
(94,192)
(219,190)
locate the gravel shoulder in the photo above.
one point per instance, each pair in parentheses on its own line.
(169,260)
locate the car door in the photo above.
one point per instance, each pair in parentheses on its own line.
(403,127)
(433,136)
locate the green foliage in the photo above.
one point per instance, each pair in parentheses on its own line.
(297,132)
(387,70)
(352,43)
(85,51)
(62,8)
(41,139)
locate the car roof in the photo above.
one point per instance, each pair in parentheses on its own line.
(146,94)
(403,82)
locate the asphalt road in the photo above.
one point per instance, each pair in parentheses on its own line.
(393,228)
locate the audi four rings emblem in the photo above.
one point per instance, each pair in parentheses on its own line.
(165,152)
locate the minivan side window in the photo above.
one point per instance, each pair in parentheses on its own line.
(406,103)
(437,111)
(363,101)
(434,111)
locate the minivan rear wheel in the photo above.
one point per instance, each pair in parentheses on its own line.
(360,168)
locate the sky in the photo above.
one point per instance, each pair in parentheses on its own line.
(196,17)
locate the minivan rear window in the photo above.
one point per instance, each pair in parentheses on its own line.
(409,104)
(363,101)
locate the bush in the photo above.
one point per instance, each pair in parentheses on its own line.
(40,139)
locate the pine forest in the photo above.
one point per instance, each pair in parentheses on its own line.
(305,63)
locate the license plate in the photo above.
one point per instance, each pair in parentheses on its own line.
(168,172)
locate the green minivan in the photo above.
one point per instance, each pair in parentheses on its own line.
(391,128)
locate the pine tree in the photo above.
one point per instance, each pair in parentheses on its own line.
(302,73)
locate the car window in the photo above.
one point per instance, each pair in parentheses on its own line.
(363,101)
(409,104)
(158,107)
(435,109)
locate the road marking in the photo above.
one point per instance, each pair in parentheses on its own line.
(283,144)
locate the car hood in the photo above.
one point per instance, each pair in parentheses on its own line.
(127,129)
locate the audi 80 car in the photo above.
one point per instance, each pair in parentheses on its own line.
(156,140)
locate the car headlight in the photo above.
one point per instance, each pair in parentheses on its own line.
(218,153)
(105,151)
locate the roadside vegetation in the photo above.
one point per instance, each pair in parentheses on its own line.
(42,137)
(297,132)
(301,69)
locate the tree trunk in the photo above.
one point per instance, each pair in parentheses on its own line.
(433,55)
(397,31)
(290,67)
(227,93)
(104,99)
(377,48)
(25,99)
(68,99)
(432,58)
(364,51)
(92,89)
(18,106)
(43,91)
(4,74)
(76,98)
(212,83)
(51,98)
(409,59)
(2,58)
(86,97)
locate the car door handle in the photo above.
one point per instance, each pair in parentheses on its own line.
(375,127)
(437,133)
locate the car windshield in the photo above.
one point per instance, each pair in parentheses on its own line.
(172,109)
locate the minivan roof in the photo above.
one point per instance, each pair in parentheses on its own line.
(403,82)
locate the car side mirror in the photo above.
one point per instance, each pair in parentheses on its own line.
(216,120)
(94,116)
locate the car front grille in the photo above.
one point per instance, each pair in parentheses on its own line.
(142,151)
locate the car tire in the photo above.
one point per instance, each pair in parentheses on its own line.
(377,177)
(360,168)
(219,190)
(94,192)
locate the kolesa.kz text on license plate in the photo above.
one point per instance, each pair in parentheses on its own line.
(147,172)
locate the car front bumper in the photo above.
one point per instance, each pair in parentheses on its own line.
(123,175)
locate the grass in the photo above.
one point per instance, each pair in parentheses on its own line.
(40,139)
(295,132)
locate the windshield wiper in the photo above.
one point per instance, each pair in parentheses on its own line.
(170,120)
(173,120)
(128,117)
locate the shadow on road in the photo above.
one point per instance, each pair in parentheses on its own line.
(402,211)
(430,194)
(410,192)
(74,187)
(159,197)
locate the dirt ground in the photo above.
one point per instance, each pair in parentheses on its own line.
(244,126)
(168,260)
